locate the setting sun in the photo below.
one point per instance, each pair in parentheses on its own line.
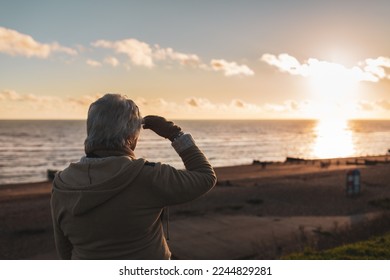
(332,80)
(333,89)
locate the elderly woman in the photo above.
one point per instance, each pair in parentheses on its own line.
(108,205)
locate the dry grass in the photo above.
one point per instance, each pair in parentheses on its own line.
(367,240)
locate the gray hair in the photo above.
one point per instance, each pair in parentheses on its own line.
(114,122)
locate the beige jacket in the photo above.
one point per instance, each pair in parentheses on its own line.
(109,207)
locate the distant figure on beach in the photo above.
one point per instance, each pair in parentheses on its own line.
(109,204)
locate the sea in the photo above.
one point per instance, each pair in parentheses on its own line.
(29,148)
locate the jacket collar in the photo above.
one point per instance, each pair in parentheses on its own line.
(101,153)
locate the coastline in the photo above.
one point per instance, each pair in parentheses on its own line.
(234,172)
(284,190)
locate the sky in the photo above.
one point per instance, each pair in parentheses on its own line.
(197,59)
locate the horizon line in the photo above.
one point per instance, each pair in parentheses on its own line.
(215,119)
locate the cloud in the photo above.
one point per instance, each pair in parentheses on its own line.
(291,107)
(365,106)
(198,102)
(371,70)
(372,109)
(93,63)
(231,68)
(143,54)
(182,58)
(238,103)
(33,106)
(15,43)
(13,96)
(383,104)
(235,108)
(240,109)
(376,67)
(285,63)
(43,106)
(199,107)
(111,61)
(84,100)
(192,102)
(140,53)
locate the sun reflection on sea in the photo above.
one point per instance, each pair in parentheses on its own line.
(333,139)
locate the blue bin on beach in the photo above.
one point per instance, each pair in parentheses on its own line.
(353,182)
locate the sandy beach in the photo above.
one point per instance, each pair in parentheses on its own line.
(284,190)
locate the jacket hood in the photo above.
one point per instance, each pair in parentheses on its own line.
(93,181)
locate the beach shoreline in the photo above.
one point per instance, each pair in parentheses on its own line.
(285,190)
(225,171)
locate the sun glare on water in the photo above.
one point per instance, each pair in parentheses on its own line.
(334,89)
(333,139)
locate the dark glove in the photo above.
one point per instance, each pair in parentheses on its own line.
(162,127)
